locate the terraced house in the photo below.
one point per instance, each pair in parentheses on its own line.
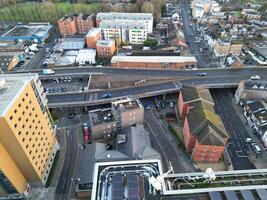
(204,133)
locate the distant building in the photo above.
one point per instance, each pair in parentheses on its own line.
(132,143)
(105,48)
(222,48)
(204,133)
(124,112)
(146,18)
(8,60)
(93,35)
(28,142)
(201,7)
(86,56)
(36,32)
(156,62)
(251,90)
(79,23)
(67,26)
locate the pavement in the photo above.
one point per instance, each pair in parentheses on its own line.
(237,147)
(164,142)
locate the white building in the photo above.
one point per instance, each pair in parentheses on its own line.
(201,7)
(134,32)
(146,18)
(86,56)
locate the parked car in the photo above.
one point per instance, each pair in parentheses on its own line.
(71,115)
(248,140)
(256,148)
(107,95)
(171,104)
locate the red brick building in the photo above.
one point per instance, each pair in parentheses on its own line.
(92,37)
(105,48)
(80,24)
(67,26)
(204,133)
(154,62)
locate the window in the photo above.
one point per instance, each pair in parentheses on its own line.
(23,112)
(36,115)
(27,94)
(19,105)
(27,107)
(30,152)
(33,133)
(23,126)
(15,111)
(19,119)
(27,120)
(19,133)
(30,139)
(30,126)
(27,133)
(15,125)
(30,102)
(23,99)
(11,117)
(32,109)
(27,146)
(33,157)
(33,145)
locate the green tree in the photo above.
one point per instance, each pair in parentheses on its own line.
(150,42)
(147,7)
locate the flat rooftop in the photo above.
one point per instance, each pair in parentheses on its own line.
(70,43)
(93,32)
(29,30)
(126,103)
(100,116)
(256,85)
(105,42)
(11,85)
(121,23)
(126,16)
(153,59)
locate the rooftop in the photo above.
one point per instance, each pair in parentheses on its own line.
(105,42)
(93,32)
(256,85)
(152,59)
(29,30)
(126,103)
(101,116)
(11,85)
(126,16)
(191,93)
(120,23)
(84,53)
(70,43)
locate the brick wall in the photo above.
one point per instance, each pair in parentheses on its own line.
(207,153)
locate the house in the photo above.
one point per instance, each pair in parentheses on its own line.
(204,133)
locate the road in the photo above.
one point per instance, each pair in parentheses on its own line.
(166,144)
(69,165)
(237,147)
(203,56)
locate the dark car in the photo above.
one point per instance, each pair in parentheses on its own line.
(107,95)
(71,115)
(64,89)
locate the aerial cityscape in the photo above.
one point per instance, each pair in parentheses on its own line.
(133,99)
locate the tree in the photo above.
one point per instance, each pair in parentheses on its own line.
(150,42)
(147,7)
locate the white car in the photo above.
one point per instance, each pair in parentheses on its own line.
(255,77)
(248,140)
(256,148)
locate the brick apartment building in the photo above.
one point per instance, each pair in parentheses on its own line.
(105,48)
(79,23)
(67,26)
(93,35)
(204,133)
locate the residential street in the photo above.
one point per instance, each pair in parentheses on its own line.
(237,146)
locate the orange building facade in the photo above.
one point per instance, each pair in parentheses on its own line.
(105,48)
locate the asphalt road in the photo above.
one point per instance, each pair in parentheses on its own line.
(237,147)
(166,145)
(65,178)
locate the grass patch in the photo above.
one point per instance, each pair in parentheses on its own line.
(177,136)
(51,174)
(237,13)
(44,11)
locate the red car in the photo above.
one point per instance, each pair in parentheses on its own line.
(86,133)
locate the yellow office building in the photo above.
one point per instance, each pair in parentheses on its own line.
(27,140)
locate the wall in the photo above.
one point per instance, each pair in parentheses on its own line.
(208,153)
(133,116)
(190,140)
(102,130)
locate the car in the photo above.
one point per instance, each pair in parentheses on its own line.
(107,95)
(69,79)
(255,77)
(149,106)
(52,90)
(200,49)
(256,147)
(63,89)
(163,104)
(81,89)
(202,74)
(171,104)
(28,58)
(48,71)
(85,125)
(248,140)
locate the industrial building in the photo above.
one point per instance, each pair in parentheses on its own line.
(28,143)
(86,56)
(8,60)
(36,32)
(154,62)
(70,44)
(146,18)
(204,133)
(124,112)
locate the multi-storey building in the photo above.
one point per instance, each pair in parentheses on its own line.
(222,48)
(105,48)
(93,35)
(204,133)
(134,32)
(146,18)
(124,112)
(84,22)
(75,24)
(201,7)
(27,138)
